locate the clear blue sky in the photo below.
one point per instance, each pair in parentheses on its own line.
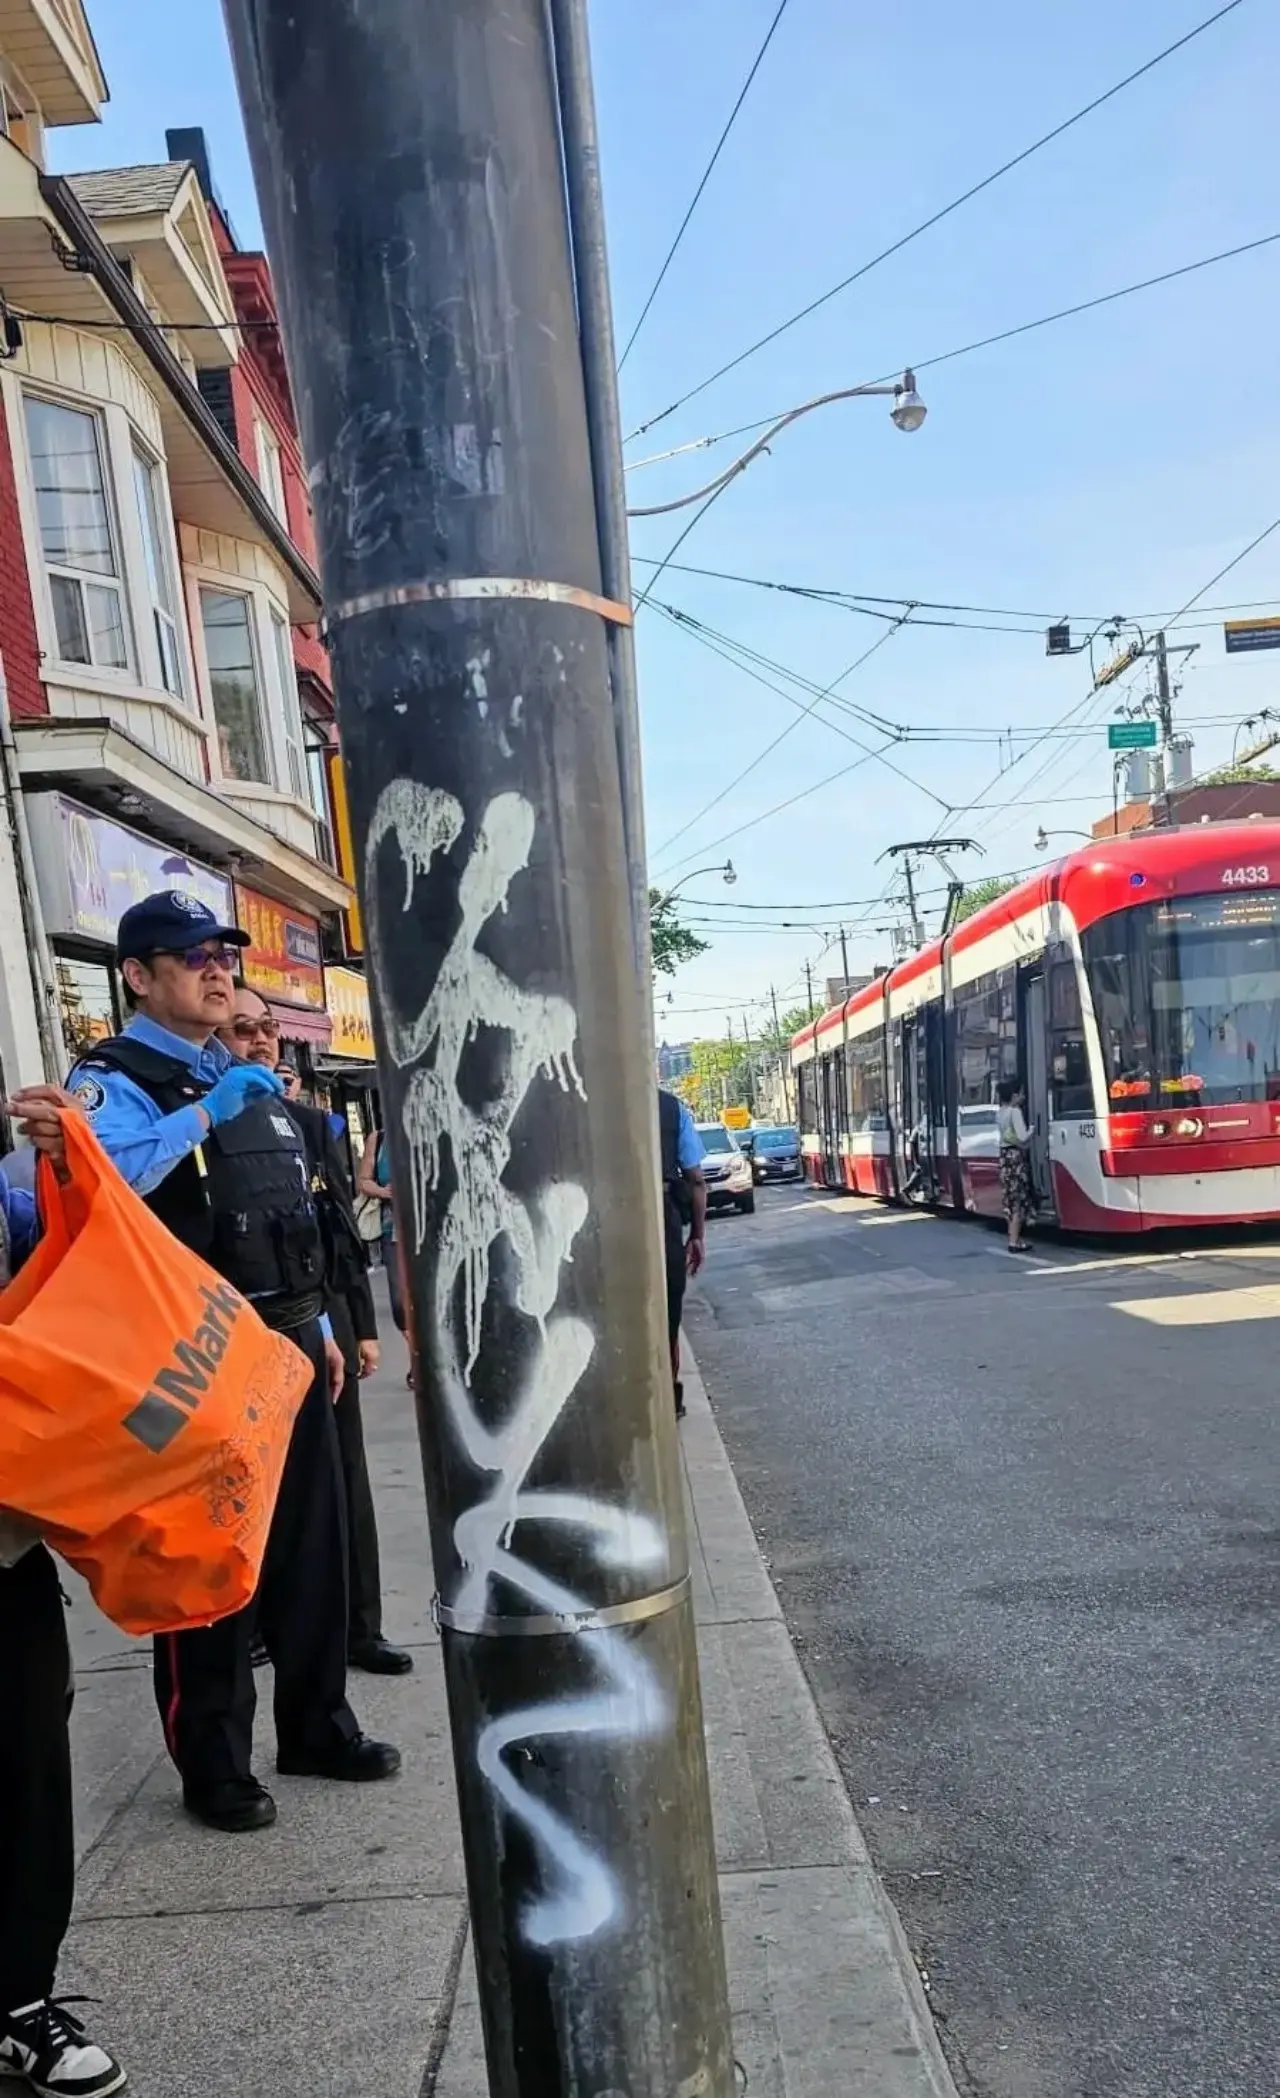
(1110,463)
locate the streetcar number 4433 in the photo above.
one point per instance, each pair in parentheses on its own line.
(1245,877)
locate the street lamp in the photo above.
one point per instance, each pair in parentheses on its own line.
(1043,836)
(907,413)
(728,871)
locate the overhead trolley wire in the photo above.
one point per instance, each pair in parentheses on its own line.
(706,177)
(976,189)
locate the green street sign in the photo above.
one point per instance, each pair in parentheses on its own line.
(1131,735)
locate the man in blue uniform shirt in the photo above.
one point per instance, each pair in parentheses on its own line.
(684,1207)
(193,1132)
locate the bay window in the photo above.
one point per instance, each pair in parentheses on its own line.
(151,511)
(234,684)
(290,709)
(77,536)
(317,741)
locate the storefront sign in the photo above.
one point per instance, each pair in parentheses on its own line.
(90,870)
(282,959)
(347,995)
(345,844)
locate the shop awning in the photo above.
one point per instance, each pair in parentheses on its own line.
(297,1025)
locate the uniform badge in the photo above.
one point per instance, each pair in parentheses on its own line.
(90,1093)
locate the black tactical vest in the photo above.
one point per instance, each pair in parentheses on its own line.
(243,1200)
(677,1206)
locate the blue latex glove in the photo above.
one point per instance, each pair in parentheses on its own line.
(237,1089)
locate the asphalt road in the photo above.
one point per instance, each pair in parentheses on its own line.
(1024,1520)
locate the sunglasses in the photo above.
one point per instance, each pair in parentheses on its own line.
(194,958)
(246,1030)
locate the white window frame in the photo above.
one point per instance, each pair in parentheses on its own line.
(293,771)
(270,467)
(119,580)
(228,586)
(155,525)
(316,746)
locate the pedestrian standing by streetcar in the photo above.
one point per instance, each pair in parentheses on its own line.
(684,1209)
(251,1035)
(206,1142)
(1015,1170)
(41,2040)
(374,1181)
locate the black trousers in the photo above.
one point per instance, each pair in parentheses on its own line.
(204,1679)
(364,1619)
(677,1277)
(37,1848)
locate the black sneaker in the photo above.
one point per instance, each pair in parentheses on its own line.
(47,2046)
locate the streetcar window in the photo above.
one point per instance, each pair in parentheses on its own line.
(865,1063)
(1187,995)
(1069,1082)
(806,1098)
(986,1036)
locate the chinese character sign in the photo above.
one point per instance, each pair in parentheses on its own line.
(283,958)
(348,1001)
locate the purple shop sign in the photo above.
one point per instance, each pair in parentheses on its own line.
(90,870)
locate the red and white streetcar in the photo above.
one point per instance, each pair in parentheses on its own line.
(1134,987)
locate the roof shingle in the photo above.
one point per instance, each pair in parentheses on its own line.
(122,193)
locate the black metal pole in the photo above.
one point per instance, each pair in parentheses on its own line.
(407,157)
(784,1052)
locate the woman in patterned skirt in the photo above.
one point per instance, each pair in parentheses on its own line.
(1015,1172)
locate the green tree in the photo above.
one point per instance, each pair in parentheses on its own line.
(672,942)
(716,1077)
(980,893)
(791,1022)
(1238,775)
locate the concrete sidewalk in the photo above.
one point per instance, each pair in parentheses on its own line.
(328,1956)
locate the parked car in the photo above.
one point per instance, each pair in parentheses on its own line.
(775,1154)
(726,1170)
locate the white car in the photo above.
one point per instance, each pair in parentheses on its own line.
(726,1170)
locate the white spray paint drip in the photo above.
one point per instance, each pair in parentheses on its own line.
(580,1894)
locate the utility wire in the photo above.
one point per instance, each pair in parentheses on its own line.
(769,748)
(823,593)
(937,217)
(986,342)
(706,177)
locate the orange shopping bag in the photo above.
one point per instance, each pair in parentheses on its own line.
(145,1410)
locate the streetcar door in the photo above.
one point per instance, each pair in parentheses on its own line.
(831,1119)
(911,1138)
(935,1099)
(1035,1064)
(902,1110)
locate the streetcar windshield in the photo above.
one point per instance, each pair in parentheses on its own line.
(1187,997)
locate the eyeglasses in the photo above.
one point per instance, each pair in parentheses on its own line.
(194,958)
(246,1030)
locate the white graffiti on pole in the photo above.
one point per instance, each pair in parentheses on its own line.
(579,1893)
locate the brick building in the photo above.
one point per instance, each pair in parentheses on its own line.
(170,700)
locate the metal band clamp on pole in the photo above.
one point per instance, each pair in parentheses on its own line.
(519,589)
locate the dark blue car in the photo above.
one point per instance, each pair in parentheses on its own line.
(775,1154)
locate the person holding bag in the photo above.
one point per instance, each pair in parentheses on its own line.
(40,2038)
(207,1144)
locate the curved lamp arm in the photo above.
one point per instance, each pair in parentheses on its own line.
(903,387)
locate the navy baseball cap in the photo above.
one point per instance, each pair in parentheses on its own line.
(171,921)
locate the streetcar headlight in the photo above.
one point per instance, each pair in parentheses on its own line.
(1188,1125)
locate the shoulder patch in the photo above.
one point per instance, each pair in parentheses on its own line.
(90,1092)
